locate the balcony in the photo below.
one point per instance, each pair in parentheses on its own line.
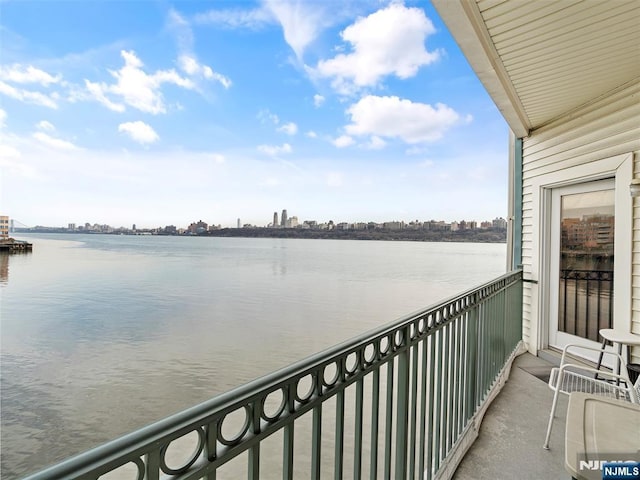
(403,401)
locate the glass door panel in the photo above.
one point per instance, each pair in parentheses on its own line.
(586,263)
(581,263)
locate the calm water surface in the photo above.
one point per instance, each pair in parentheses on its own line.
(104,334)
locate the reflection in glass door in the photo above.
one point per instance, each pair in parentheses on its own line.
(585,296)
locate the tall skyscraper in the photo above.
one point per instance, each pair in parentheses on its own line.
(238,223)
(275,219)
(283,219)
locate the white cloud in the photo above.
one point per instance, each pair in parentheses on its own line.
(27,96)
(7,152)
(236,18)
(3,118)
(289,128)
(301,21)
(139,131)
(181,28)
(218,158)
(17,73)
(311,134)
(399,118)
(187,60)
(266,116)
(54,142)
(97,92)
(135,87)
(275,150)
(375,143)
(343,141)
(44,125)
(318,100)
(190,65)
(389,41)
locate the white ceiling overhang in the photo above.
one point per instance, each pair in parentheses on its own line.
(542,60)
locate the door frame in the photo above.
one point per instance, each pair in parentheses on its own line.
(620,168)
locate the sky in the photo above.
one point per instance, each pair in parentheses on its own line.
(165,113)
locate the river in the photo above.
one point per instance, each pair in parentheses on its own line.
(103,334)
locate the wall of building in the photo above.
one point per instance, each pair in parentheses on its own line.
(579,143)
(4,226)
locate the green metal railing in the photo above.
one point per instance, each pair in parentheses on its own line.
(392,403)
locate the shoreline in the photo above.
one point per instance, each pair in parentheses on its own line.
(471,236)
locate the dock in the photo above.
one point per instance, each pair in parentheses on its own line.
(12,245)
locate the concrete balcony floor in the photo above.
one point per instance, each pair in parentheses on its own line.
(512,433)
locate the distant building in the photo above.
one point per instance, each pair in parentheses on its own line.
(283,218)
(238,224)
(199,227)
(4,226)
(72,227)
(393,225)
(292,222)
(275,219)
(499,223)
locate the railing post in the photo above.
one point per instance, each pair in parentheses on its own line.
(211,432)
(253,472)
(402,412)
(289,437)
(472,342)
(152,464)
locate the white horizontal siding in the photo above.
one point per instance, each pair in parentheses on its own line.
(601,130)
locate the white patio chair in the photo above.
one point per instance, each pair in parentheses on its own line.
(574,377)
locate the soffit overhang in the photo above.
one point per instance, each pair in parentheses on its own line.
(543,60)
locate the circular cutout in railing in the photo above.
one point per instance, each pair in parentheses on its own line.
(304,388)
(351,363)
(273,405)
(369,353)
(234,426)
(422,326)
(330,374)
(181,453)
(398,337)
(133,470)
(384,345)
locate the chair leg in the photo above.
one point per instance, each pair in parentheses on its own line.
(604,345)
(553,411)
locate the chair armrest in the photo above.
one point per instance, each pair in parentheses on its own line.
(573,346)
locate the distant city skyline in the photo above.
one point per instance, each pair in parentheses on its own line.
(239,223)
(285,222)
(153,113)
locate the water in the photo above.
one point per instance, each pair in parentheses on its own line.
(104,334)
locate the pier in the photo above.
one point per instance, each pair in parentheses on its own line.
(11,245)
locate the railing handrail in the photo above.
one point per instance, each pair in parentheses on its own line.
(184,421)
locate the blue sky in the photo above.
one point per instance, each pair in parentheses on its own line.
(159,113)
